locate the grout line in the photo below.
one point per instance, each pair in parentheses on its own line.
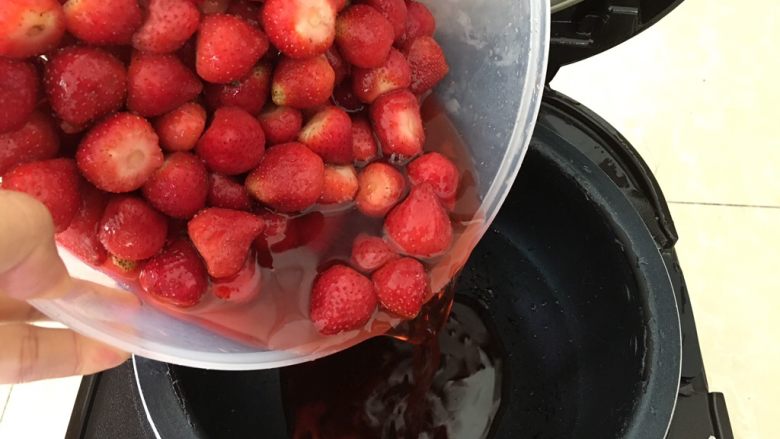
(697,203)
(5,403)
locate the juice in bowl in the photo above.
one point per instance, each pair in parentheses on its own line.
(478,119)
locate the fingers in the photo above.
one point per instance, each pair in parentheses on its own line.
(16,311)
(29,264)
(30,353)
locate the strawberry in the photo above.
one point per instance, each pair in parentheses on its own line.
(226,193)
(289,178)
(329,134)
(121,268)
(180,129)
(401,286)
(419,22)
(370,253)
(176,276)
(341,300)
(438,171)
(364,147)
(30,27)
(340,67)
(157,84)
(228,48)
(394,74)
(364,36)
(304,83)
(381,187)
(419,226)
(223,237)
(281,124)
(249,93)
(396,119)
(340,184)
(168,25)
(81,237)
(233,143)
(427,63)
(55,183)
(131,229)
(249,10)
(395,13)
(300,28)
(120,153)
(103,22)
(18,93)
(278,236)
(36,140)
(180,187)
(84,83)
(344,97)
(242,286)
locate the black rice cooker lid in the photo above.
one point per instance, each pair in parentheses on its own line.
(581,29)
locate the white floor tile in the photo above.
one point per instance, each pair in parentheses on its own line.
(40,409)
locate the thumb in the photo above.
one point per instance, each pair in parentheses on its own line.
(29,263)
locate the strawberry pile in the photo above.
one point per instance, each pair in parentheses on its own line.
(175,142)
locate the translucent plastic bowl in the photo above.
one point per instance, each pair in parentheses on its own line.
(497,52)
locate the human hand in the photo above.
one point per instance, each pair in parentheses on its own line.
(30,268)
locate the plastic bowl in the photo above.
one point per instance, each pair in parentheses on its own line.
(497,52)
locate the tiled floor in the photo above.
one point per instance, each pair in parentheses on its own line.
(697,95)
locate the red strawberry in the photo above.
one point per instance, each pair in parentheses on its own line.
(250,93)
(180,129)
(180,187)
(242,286)
(401,286)
(176,276)
(340,67)
(329,134)
(233,144)
(103,22)
(419,226)
(394,11)
(341,300)
(18,93)
(340,185)
(304,83)
(55,183)
(249,10)
(223,237)
(120,153)
(213,6)
(344,97)
(419,22)
(281,124)
(169,24)
(30,27)
(427,62)
(157,84)
(228,48)
(228,194)
(300,28)
(364,36)
(122,268)
(394,74)
(370,252)
(131,229)
(81,237)
(364,147)
(84,83)
(289,178)
(438,171)
(381,187)
(36,140)
(396,119)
